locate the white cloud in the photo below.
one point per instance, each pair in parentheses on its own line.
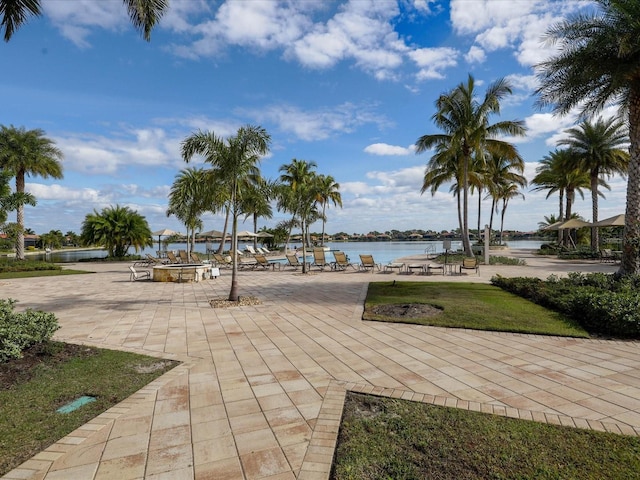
(65,194)
(318,124)
(432,61)
(475,55)
(386,149)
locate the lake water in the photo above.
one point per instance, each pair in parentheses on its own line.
(383,252)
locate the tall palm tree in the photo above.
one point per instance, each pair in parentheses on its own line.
(233,161)
(189,198)
(559,172)
(500,172)
(257,202)
(328,191)
(27,152)
(299,193)
(598,63)
(468,132)
(599,146)
(506,192)
(144,14)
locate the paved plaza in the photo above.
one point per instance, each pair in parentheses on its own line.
(260,391)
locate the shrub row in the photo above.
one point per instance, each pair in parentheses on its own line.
(601,303)
(12,265)
(21,330)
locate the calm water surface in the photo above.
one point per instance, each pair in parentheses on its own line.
(383,252)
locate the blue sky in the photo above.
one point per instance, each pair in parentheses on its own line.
(350,85)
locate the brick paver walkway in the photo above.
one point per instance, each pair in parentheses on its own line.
(260,392)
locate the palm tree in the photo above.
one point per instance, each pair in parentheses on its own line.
(467,132)
(233,161)
(144,14)
(599,148)
(257,202)
(116,228)
(507,191)
(27,152)
(299,193)
(598,63)
(501,171)
(328,191)
(189,198)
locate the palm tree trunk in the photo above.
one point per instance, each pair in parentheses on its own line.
(255,230)
(465,209)
(504,209)
(323,222)
(493,208)
(460,222)
(20,217)
(479,211)
(567,232)
(630,263)
(224,230)
(595,241)
(560,213)
(233,293)
(304,248)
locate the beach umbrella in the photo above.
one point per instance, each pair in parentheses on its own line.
(165,232)
(615,221)
(571,223)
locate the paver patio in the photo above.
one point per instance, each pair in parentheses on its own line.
(260,392)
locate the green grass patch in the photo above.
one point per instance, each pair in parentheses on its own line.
(54,374)
(466,305)
(40,273)
(384,438)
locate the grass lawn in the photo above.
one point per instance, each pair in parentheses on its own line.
(40,273)
(464,305)
(384,438)
(52,375)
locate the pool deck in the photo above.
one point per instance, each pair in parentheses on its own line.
(260,391)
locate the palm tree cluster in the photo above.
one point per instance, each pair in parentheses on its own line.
(595,150)
(469,153)
(234,185)
(25,153)
(597,64)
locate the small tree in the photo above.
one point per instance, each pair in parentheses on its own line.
(116,228)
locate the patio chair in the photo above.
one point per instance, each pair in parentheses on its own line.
(266,251)
(250,249)
(221,261)
(607,256)
(342,262)
(261,261)
(172,257)
(367,262)
(470,263)
(184,258)
(319,259)
(138,274)
(292,261)
(155,260)
(195,258)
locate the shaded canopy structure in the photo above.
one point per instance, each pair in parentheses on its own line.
(165,232)
(568,224)
(615,221)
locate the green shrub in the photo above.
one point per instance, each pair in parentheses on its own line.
(12,265)
(21,330)
(600,303)
(502,260)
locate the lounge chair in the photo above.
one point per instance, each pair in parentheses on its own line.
(195,258)
(184,258)
(367,262)
(607,256)
(155,260)
(266,251)
(250,249)
(342,262)
(292,261)
(319,260)
(172,257)
(261,261)
(470,263)
(222,261)
(138,274)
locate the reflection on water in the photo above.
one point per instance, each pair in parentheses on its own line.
(383,252)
